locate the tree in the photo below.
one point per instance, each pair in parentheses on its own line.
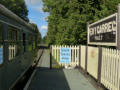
(18,7)
(68,18)
(44,40)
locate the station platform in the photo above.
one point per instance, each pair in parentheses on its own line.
(58,79)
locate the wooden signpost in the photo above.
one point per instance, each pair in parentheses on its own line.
(105,32)
(118,28)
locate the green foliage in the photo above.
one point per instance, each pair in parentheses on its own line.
(17,6)
(68,18)
(44,40)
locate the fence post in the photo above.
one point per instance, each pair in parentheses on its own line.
(75,55)
(50,57)
(55,51)
(80,56)
(52,50)
(99,65)
(118,28)
(86,57)
(86,53)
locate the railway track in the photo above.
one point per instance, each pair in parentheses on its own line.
(20,85)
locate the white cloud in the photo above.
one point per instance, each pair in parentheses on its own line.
(37,5)
(38,8)
(39,15)
(33,2)
(44,27)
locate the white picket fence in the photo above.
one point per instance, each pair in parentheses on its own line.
(74,54)
(12,51)
(110,68)
(110,73)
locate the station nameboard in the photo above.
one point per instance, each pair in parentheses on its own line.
(65,55)
(103,32)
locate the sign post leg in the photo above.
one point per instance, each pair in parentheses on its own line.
(86,59)
(99,65)
(118,28)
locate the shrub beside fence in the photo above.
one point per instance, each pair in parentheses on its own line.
(106,71)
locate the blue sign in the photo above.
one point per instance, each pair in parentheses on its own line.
(65,55)
(1,55)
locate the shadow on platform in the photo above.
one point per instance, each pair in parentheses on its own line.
(49,79)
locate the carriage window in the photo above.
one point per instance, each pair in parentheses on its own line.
(33,42)
(24,42)
(30,40)
(1,44)
(14,42)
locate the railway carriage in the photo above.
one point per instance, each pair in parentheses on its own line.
(18,41)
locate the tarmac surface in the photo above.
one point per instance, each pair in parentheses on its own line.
(58,79)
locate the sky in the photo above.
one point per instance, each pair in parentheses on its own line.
(37,16)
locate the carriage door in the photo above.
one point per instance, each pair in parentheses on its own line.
(24,42)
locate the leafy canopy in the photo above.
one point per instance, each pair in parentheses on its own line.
(68,18)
